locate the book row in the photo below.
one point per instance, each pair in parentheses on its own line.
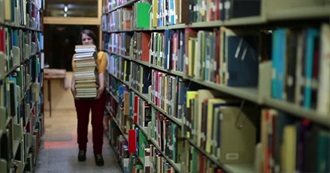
(136,142)
(178,13)
(20,147)
(170,12)
(237,58)
(16,46)
(21,122)
(207,133)
(22,13)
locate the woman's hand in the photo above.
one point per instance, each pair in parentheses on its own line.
(101,86)
(99,92)
(73,88)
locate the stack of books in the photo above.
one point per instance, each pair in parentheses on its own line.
(85,71)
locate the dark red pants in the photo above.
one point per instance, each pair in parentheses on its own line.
(83,108)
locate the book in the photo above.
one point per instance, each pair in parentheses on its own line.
(85,71)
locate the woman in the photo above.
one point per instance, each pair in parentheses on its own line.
(97,106)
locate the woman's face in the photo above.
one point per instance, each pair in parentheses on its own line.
(86,40)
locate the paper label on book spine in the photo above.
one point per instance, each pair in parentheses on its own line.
(232,156)
(212,6)
(227,5)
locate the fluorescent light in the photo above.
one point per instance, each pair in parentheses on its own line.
(65,8)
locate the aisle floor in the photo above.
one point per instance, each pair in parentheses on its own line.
(59,149)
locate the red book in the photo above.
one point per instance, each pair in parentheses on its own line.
(132,141)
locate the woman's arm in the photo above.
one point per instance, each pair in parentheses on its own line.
(73,80)
(101,70)
(101,85)
(73,86)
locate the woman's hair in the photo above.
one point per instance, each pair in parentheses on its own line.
(91,34)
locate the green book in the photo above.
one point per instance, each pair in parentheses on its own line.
(142,15)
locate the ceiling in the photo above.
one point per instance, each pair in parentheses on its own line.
(76,8)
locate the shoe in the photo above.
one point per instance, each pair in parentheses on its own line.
(99,159)
(82,155)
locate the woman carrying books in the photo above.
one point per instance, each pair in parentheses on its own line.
(85,101)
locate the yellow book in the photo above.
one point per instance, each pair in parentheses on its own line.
(210,119)
(154,13)
(125,68)
(8,8)
(288,149)
(203,94)
(191,55)
(190,95)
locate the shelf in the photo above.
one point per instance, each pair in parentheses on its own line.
(117,31)
(177,26)
(232,22)
(175,120)
(141,62)
(303,13)
(209,156)
(298,111)
(10,71)
(143,129)
(123,5)
(15,146)
(19,27)
(123,56)
(7,122)
(146,98)
(124,82)
(238,21)
(18,66)
(250,94)
(114,119)
(173,72)
(140,159)
(269,16)
(246,168)
(143,96)
(113,96)
(254,20)
(176,166)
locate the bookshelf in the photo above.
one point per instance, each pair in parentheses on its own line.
(171,73)
(21,99)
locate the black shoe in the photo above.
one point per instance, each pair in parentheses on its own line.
(99,159)
(82,155)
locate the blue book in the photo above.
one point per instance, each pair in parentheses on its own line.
(243,63)
(312,36)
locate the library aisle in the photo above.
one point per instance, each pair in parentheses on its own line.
(58,150)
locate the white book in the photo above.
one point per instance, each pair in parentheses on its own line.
(323,98)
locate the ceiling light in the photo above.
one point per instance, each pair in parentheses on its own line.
(65,8)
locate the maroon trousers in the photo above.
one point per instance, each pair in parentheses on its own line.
(83,108)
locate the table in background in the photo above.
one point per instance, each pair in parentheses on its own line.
(49,75)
